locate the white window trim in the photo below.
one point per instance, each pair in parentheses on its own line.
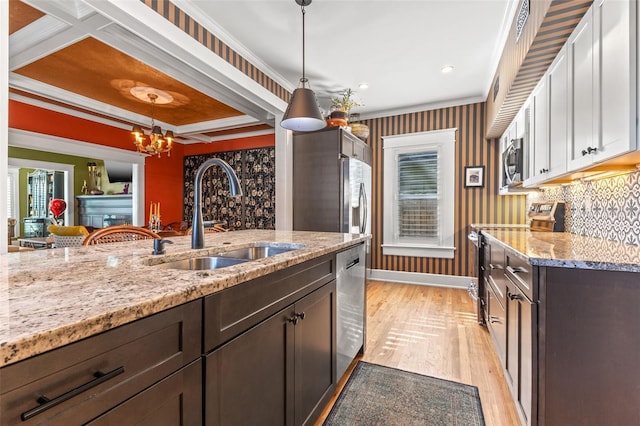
(444,142)
(14,173)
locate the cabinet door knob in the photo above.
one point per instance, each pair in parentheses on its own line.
(296,317)
(543,171)
(589,150)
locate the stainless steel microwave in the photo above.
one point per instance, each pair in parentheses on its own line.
(513,164)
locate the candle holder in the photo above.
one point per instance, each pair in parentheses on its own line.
(154,217)
(154,223)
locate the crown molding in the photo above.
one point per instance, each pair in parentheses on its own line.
(422,107)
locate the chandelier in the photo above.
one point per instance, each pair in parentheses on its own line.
(155,142)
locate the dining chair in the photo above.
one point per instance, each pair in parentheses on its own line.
(179,226)
(67,236)
(209,229)
(119,233)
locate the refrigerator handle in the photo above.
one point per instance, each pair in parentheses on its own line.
(363,208)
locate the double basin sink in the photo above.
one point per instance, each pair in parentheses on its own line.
(255,251)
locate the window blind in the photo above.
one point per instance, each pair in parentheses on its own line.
(418,210)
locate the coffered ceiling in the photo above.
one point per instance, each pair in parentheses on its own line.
(82,57)
(67,57)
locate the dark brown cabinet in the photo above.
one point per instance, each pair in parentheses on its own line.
(87,379)
(496,287)
(175,400)
(589,346)
(572,340)
(280,372)
(315,352)
(521,316)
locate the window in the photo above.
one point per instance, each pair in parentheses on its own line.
(418,194)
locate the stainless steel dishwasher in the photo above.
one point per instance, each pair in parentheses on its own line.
(350,283)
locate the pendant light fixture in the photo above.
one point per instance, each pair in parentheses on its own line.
(303,113)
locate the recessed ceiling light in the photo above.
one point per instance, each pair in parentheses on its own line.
(363,86)
(446,69)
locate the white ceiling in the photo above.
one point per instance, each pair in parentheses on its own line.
(398,47)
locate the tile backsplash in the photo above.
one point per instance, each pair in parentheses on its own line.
(607,208)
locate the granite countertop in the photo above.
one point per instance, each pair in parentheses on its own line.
(49,298)
(565,250)
(481,226)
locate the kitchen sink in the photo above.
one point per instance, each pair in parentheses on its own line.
(255,251)
(260,251)
(201,263)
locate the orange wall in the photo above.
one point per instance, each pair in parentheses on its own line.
(163,184)
(163,176)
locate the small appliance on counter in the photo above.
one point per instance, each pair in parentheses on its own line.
(547,216)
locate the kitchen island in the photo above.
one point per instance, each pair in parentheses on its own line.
(562,310)
(63,303)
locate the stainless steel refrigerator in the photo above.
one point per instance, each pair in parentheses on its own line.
(332,193)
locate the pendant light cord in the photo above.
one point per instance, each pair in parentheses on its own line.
(303,79)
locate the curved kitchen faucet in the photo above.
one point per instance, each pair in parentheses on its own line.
(197,227)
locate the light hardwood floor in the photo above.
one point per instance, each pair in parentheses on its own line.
(433,331)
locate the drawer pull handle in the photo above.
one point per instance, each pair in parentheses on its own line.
(515,296)
(46,403)
(492,266)
(516,270)
(494,320)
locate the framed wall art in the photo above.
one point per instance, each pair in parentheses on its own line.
(474,176)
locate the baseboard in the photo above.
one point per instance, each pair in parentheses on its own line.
(437,280)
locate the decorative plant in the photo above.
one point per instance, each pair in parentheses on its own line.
(344,102)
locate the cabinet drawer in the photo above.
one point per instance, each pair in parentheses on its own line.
(131,357)
(520,272)
(497,323)
(175,400)
(359,150)
(232,311)
(346,147)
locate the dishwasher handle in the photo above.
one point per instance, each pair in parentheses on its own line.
(353,263)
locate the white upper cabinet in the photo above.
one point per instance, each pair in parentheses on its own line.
(582,125)
(602,62)
(549,131)
(539,136)
(519,124)
(615,75)
(558,81)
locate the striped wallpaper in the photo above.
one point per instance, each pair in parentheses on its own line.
(190,26)
(472,205)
